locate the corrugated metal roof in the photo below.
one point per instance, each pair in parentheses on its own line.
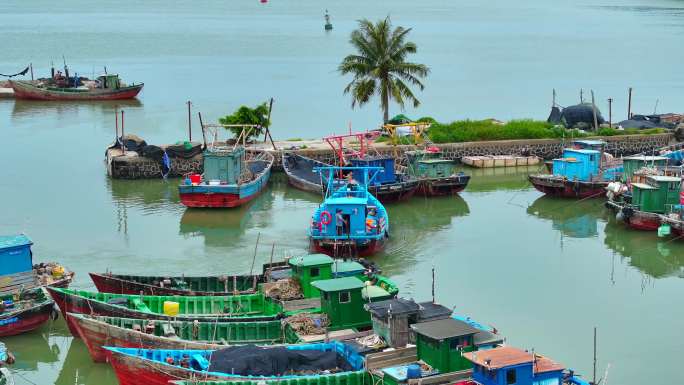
(310,260)
(443,328)
(345,201)
(338,284)
(431,310)
(347,266)
(506,356)
(487,338)
(7,241)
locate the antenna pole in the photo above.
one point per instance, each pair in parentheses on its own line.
(204,135)
(610,112)
(433,284)
(189,122)
(629,104)
(594,376)
(593,109)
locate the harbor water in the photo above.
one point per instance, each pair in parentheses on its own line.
(543,271)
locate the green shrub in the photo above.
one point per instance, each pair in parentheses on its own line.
(245,115)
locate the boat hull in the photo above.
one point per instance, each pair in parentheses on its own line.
(69,303)
(214,200)
(26,320)
(96,334)
(443,186)
(111,284)
(356,249)
(24,90)
(395,192)
(562,188)
(635,219)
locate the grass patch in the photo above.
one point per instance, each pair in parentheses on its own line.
(295,140)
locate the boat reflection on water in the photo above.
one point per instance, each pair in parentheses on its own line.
(656,257)
(41,346)
(149,194)
(78,368)
(499,178)
(29,108)
(413,222)
(225,228)
(574,219)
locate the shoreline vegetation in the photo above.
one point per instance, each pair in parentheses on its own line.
(460,131)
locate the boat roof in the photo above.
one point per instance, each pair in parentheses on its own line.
(310,260)
(338,284)
(582,151)
(373,291)
(435,161)
(347,266)
(645,158)
(431,310)
(484,337)
(7,241)
(665,178)
(346,201)
(444,328)
(395,305)
(506,356)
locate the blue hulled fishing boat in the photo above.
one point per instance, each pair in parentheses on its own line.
(350,221)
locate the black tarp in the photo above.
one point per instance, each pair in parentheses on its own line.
(132,142)
(274,361)
(183,151)
(554,116)
(637,123)
(581,115)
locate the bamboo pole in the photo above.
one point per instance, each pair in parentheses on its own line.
(610,112)
(593,110)
(204,135)
(189,122)
(629,104)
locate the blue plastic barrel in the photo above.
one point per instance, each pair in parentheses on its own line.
(413,371)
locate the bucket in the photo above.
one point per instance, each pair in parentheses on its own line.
(171,308)
(413,371)
(195,178)
(664,230)
(58,272)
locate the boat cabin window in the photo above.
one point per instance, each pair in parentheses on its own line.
(510,377)
(674,186)
(345,297)
(326,295)
(315,271)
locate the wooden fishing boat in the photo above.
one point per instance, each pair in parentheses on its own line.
(106,87)
(180,285)
(27,312)
(99,331)
(232,177)
(236,308)
(158,367)
(365,222)
(351,378)
(301,173)
(437,175)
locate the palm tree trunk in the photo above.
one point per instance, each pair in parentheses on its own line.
(385,105)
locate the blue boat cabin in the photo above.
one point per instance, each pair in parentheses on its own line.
(577,164)
(224,165)
(512,366)
(385,176)
(355,213)
(15,254)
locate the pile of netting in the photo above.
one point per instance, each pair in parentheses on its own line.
(253,360)
(284,289)
(308,324)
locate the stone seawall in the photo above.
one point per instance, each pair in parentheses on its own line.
(134,167)
(544,148)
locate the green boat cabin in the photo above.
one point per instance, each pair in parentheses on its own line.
(631,164)
(343,299)
(307,269)
(440,343)
(658,193)
(430,164)
(109,81)
(224,165)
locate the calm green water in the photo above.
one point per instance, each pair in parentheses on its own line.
(543,271)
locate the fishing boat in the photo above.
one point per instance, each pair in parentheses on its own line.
(580,173)
(389,185)
(232,177)
(437,175)
(6,358)
(301,172)
(25,311)
(322,361)
(350,221)
(99,331)
(63,87)
(228,284)
(17,271)
(236,308)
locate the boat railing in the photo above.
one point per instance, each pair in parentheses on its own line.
(336,185)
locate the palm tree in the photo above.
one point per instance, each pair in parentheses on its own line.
(380,66)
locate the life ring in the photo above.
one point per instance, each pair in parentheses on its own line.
(326,218)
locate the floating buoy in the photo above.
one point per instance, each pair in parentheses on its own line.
(263,1)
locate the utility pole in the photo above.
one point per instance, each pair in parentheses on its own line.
(189,122)
(629,104)
(610,112)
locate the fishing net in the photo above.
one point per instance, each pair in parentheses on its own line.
(581,115)
(308,324)
(275,361)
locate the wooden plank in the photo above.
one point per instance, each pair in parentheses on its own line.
(442,378)
(301,304)
(391,358)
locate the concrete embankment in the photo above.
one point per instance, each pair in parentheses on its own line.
(134,166)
